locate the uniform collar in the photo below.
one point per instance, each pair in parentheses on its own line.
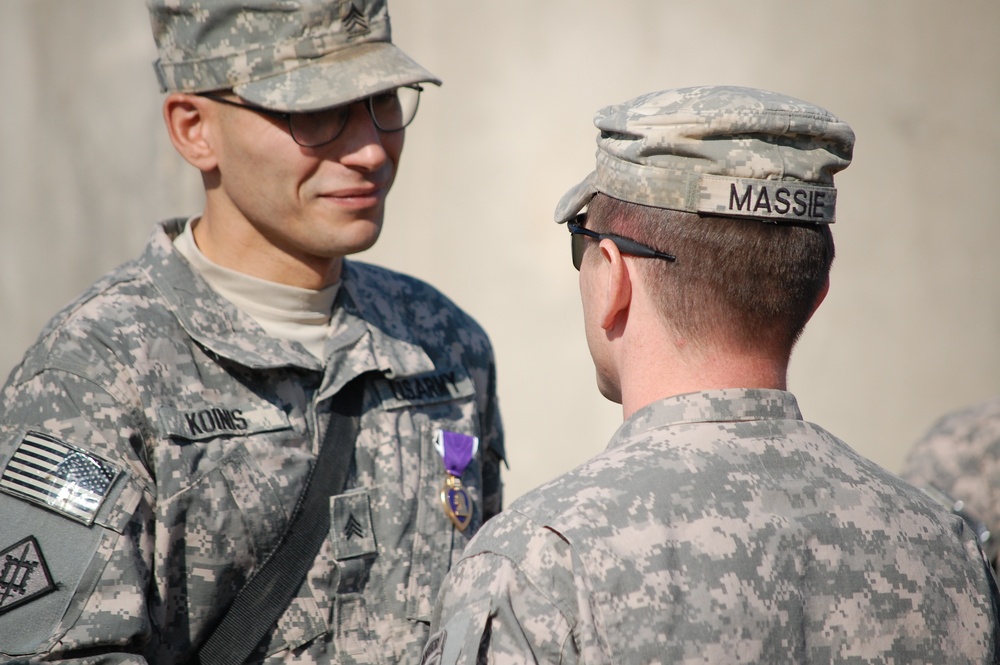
(366,335)
(397,351)
(729,405)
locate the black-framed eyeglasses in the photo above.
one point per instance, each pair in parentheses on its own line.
(391,111)
(579,234)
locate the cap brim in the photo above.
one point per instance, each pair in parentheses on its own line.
(339,78)
(576,199)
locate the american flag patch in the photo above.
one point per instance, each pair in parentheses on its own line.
(51,473)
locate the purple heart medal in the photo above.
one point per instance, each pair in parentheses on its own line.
(457,450)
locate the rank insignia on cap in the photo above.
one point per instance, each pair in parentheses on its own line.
(54,474)
(23,574)
(355,22)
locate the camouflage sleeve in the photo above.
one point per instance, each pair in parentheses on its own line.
(515,597)
(76,533)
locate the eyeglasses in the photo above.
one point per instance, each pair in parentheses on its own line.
(578,234)
(391,111)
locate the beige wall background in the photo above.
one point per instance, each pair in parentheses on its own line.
(909,330)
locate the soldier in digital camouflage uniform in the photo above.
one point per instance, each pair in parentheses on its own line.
(960,458)
(718,526)
(155,440)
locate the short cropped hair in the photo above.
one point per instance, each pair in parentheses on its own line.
(741,283)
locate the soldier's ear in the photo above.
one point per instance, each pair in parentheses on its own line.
(617,284)
(191,124)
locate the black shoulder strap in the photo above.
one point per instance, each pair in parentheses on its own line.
(267,594)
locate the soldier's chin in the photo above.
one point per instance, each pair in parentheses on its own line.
(363,236)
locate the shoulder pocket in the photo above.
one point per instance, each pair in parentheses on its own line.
(49,569)
(461,638)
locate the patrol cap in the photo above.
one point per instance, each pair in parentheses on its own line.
(718,150)
(287,55)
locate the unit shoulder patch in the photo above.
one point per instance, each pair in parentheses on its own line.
(24,575)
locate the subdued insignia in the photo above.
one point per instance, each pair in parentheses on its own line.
(24,576)
(54,474)
(353,528)
(434,650)
(355,22)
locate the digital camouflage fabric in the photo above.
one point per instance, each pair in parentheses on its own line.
(960,455)
(719,527)
(154,442)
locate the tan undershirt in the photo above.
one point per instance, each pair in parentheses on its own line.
(285,312)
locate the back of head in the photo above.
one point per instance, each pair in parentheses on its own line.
(286,55)
(737,183)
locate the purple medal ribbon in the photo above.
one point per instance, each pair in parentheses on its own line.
(457,451)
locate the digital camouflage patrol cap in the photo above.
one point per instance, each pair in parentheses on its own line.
(287,55)
(718,150)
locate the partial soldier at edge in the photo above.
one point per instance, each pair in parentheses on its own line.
(958,461)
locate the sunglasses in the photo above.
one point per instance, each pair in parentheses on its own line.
(579,234)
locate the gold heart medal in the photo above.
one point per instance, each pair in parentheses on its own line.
(456,450)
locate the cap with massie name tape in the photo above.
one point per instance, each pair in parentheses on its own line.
(718,150)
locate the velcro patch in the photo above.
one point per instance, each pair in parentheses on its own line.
(24,576)
(772,199)
(351,525)
(56,475)
(440,386)
(206,421)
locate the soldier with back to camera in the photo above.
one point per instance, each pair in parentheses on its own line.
(718,525)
